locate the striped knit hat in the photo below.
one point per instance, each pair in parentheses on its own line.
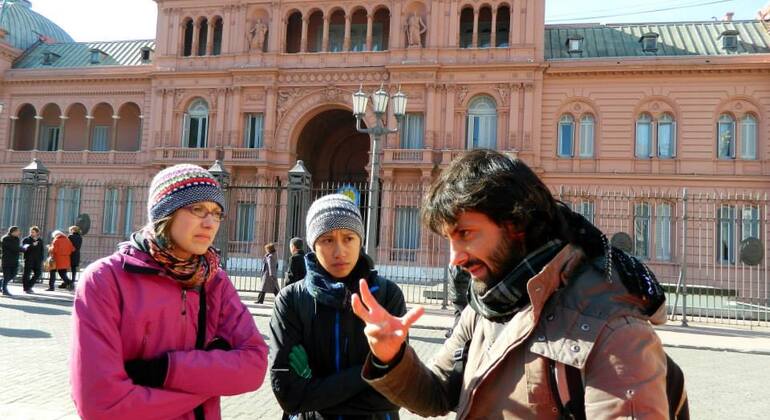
(333,211)
(179,186)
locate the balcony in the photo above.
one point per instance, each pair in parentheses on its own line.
(410,157)
(80,157)
(244,155)
(185,155)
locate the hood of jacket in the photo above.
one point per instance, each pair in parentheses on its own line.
(335,292)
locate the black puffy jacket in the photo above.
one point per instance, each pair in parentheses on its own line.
(316,314)
(11,246)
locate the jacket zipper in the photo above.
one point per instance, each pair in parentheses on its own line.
(337,345)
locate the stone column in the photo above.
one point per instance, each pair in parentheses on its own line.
(180,44)
(196,36)
(114,134)
(13,132)
(38,118)
(346,42)
(89,122)
(513,25)
(325,39)
(493,30)
(60,145)
(303,40)
(369,24)
(475,40)
(210,39)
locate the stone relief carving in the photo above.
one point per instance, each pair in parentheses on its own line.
(256,36)
(286,96)
(462,92)
(503,91)
(415,27)
(333,93)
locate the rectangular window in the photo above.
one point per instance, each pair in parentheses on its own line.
(726,234)
(51,137)
(110,212)
(666,139)
(566,136)
(643,140)
(749,138)
(585,209)
(67,207)
(642,230)
(11,205)
(586,137)
(357,37)
(466,34)
(378,39)
(412,131)
(336,37)
(482,132)
(750,223)
(407,233)
(128,214)
(244,222)
(663,232)
(195,131)
(101,138)
(253,131)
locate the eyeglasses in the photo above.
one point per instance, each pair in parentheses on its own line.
(203,212)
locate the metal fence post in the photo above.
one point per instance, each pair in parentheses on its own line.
(683,259)
(298,201)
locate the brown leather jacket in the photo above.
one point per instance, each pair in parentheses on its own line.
(592,323)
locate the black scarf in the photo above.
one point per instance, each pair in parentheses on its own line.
(335,292)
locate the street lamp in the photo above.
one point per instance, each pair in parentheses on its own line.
(218,171)
(379,107)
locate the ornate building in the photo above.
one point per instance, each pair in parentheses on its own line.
(262,84)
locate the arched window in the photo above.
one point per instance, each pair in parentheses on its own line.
(644,136)
(485,27)
(381,30)
(482,123)
(218,28)
(466,28)
(587,136)
(196,123)
(666,136)
(503,28)
(726,137)
(566,136)
(188,38)
(749,137)
(293,32)
(203,33)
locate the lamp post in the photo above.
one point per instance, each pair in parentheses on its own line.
(218,171)
(379,107)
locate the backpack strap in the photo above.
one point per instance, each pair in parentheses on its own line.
(567,389)
(200,338)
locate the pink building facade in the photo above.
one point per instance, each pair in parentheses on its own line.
(595,109)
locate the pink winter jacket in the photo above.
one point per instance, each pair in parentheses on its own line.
(126,308)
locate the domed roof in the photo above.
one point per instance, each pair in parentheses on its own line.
(25,26)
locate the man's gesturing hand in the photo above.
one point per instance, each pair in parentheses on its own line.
(385,332)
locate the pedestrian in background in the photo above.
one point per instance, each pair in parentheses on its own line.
(296,261)
(459,280)
(33,259)
(77,242)
(269,273)
(62,250)
(160,331)
(11,248)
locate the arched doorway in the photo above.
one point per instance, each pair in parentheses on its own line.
(332,149)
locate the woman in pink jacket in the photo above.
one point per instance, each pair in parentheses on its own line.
(159,330)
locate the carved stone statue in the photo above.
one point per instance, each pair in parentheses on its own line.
(415,27)
(257,36)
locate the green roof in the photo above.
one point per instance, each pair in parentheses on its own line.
(26,26)
(78,54)
(674,39)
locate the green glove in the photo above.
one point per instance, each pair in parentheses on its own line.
(298,362)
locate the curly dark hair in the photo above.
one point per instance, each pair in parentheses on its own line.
(504,189)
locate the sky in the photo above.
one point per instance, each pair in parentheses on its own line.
(109,20)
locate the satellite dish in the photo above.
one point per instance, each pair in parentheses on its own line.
(623,242)
(84,223)
(752,251)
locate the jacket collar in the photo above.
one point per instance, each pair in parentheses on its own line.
(333,292)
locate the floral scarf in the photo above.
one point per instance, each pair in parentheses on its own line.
(191,273)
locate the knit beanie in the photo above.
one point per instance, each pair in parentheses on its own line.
(179,186)
(333,211)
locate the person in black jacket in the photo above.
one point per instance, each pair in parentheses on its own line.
(33,258)
(318,346)
(11,247)
(459,281)
(296,261)
(77,242)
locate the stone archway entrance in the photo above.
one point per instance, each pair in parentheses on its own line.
(332,149)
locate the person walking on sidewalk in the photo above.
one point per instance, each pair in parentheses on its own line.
(317,344)
(11,248)
(269,273)
(296,261)
(160,331)
(77,242)
(62,249)
(547,294)
(33,259)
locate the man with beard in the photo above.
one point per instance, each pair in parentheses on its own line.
(548,295)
